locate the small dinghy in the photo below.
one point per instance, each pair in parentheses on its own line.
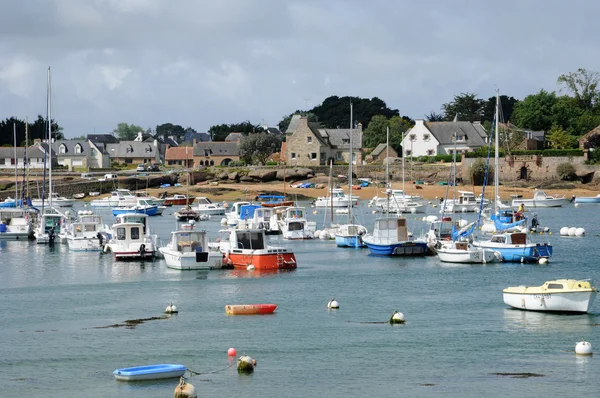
(150,372)
(250,309)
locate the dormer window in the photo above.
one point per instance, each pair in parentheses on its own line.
(62,148)
(346,140)
(78,148)
(412,137)
(408,152)
(426,137)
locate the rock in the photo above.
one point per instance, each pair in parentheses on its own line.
(223,176)
(295,174)
(264,175)
(309,175)
(321,175)
(246,179)
(233,176)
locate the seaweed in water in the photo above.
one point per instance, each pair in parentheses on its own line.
(131,323)
(519,375)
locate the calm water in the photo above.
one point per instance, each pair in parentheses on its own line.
(458,330)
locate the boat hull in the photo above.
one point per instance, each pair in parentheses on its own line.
(349,241)
(104,202)
(190,261)
(261,261)
(575,302)
(150,372)
(473,256)
(250,309)
(588,199)
(399,249)
(150,210)
(178,202)
(550,202)
(336,202)
(84,244)
(530,253)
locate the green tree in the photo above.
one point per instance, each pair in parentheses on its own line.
(535,111)
(507,105)
(127,132)
(256,148)
(167,129)
(511,139)
(466,106)
(334,112)
(478,169)
(584,86)
(435,117)
(558,138)
(221,131)
(36,130)
(566,171)
(376,131)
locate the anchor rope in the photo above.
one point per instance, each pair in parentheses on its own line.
(193,373)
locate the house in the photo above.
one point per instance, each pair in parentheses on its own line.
(234,137)
(180,156)
(309,144)
(35,157)
(191,135)
(72,153)
(532,140)
(217,153)
(583,141)
(99,157)
(437,138)
(381,152)
(136,152)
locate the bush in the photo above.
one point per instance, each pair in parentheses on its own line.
(272,163)
(566,171)
(478,172)
(233,163)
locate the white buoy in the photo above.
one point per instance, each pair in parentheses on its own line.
(583,348)
(397,317)
(185,390)
(546,229)
(251,267)
(332,304)
(324,235)
(462,223)
(430,219)
(572,231)
(543,260)
(579,232)
(224,221)
(564,231)
(171,309)
(464,210)
(576,205)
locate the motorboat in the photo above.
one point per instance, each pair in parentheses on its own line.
(465,252)
(465,202)
(150,372)
(540,199)
(336,198)
(118,198)
(206,206)
(152,199)
(15,224)
(390,237)
(250,309)
(234,212)
(265,218)
(131,238)
(274,201)
(295,226)
(560,295)
(243,248)
(188,249)
(57,201)
(516,247)
(143,206)
(187,214)
(350,235)
(178,200)
(87,233)
(587,199)
(49,226)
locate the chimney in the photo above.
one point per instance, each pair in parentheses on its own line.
(360,127)
(194,142)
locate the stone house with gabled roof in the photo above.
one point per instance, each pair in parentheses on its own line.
(381,152)
(437,138)
(136,152)
(309,144)
(216,153)
(180,156)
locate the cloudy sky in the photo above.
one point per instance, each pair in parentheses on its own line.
(204,62)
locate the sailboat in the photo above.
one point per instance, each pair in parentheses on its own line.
(460,249)
(187,213)
(350,234)
(390,236)
(513,246)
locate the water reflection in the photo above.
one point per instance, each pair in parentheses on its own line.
(534,321)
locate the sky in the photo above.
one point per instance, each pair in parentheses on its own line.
(199,63)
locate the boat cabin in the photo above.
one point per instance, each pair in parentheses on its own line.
(249,239)
(516,238)
(128,232)
(391,229)
(295,212)
(236,207)
(247,211)
(466,197)
(203,200)
(188,241)
(133,218)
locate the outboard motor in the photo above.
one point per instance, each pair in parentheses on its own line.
(534,223)
(51,237)
(100,239)
(572,199)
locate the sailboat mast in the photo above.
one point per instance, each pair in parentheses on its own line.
(25,157)
(16,165)
(49,110)
(350,169)
(387,168)
(496,152)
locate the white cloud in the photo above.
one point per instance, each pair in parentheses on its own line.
(114,76)
(15,75)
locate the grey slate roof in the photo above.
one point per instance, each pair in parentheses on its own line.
(273,130)
(444,132)
(293,126)
(529,134)
(234,137)
(336,138)
(216,148)
(32,152)
(132,149)
(70,148)
(378,149)
(103,138)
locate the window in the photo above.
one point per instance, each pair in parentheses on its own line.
(555,286)
(450,151)
(408,152)
(461,138)
(293,155)
(78,148)
(308,139)
(313,156)
(426,137)
(135,233)
(412,137)
(339,156)
(62,148)
(323,155)
(430,152)
(346,140)
(120,233)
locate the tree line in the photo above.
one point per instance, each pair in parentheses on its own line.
(35,130)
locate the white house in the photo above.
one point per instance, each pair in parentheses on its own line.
(437,138)
(35,157)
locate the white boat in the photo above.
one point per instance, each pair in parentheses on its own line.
(49,226)
(88,233)
(15,224)
(464,252)
(266,218)
(466,202)
(516,247)
(118,198)
(295,226)
(206,206)
(540,199)
(131,238)
(561,295)
(146,196)
(189,250)
(587,199)
(233,214)
(336,198)
(145,206)
(57,201)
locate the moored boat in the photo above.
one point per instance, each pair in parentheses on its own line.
(189,250)
(390,237)
(516,247)
(560,295)
(587,199)
(540,199)
(131,238)
(206,206)
(150,372)
(178,200)
(57,201)
(250,309)
(143,206)
(242,248)
(15,224)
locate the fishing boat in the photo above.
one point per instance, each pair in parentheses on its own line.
(206,206)
(49,226)
(336,198)
(295,226)
(145,195)
(587,199)
(188,249)
(234,213)
(516,247)
(88,233)
(561,295)
(250,309)
(178,200)
(242,248)
(274,201)
(465,202)
(143,206)
(265,218)
(540,199)
(465,253)
(150,372)
(131,238)
(15,224)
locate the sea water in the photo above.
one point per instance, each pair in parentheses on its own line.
(58,306)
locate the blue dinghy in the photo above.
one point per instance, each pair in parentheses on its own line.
(150,372)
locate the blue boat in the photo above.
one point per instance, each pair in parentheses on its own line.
(588,199)
(143,207)
(150,372)
(350,235)
(516,247)
(390,238)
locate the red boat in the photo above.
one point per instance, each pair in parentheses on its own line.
(247,247)
(179,200)
(250,309)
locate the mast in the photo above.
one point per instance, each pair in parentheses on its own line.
(403,192)
(496,152)
(331,188)
(387,168)
(25,157)
(350,218)
(49,137)
(16,166)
